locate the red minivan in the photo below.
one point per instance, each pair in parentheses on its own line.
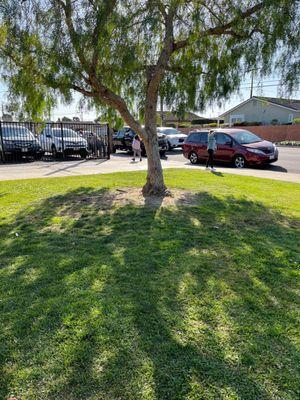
(236,146)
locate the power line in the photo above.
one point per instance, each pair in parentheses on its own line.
(261,86)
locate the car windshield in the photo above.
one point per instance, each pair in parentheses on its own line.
(11,132)
(245,137)
(66,133)
(169,131)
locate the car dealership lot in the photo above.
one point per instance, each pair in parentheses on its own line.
(286,168)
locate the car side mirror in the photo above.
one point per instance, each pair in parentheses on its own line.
(229,143)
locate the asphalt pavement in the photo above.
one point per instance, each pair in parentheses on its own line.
(287,168)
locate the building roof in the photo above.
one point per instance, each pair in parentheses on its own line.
(290,104)
(172,117)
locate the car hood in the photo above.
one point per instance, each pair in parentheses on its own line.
(74,140)
(20,140)
(177,136)
(262,145)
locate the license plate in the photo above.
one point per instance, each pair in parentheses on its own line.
(24,150)
(271,157)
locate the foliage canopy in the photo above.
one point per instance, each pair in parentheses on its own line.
(50,47)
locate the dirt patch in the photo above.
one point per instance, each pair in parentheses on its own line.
(135,197)
(109,199)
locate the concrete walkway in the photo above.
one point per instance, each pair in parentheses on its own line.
(119,163)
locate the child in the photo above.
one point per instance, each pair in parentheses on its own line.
(136,147)
(211,148)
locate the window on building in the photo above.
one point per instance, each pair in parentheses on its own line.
(237,118)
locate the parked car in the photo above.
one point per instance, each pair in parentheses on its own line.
(63,141)
(237,146)
(124,137)
(19,142)
(174,137)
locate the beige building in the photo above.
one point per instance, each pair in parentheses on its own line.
(266,110)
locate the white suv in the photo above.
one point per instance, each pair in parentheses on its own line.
(174,137)
(63,141)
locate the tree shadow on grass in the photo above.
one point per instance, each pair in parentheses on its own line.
(130,302)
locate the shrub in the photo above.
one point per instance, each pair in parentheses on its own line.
(247,123)
(296,121)
(184,125)
(239,124)
(197,122)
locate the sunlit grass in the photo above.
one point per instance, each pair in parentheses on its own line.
(136,302)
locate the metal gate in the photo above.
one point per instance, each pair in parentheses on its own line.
(53,140)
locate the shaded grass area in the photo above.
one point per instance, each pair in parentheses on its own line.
(126,302)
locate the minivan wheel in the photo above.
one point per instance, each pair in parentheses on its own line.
(193,158)
(239,161)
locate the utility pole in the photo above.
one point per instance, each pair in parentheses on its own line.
(162,110)
(252,82)
(81,111)
(49,114)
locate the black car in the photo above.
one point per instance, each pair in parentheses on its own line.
(18,142)
(124,137)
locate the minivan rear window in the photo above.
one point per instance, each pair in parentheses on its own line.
(197,137)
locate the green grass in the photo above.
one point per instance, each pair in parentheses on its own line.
(134,302)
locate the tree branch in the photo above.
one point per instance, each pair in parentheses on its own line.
(84,91)
(203,3)
(162,9)
(101,20)
(67,7)
(111,99)
(224,29)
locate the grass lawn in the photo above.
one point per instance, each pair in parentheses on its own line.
(102,301)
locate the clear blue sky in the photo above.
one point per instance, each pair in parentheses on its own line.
(267,87)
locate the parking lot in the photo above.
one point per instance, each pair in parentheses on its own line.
(287,168)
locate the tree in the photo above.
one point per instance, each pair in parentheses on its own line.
(124,54)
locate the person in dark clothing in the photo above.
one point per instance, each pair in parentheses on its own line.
(211,148)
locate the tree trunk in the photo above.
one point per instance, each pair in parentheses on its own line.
(155,180)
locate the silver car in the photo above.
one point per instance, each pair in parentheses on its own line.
(174,137)
(63,141)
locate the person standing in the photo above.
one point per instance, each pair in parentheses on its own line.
(211,148)
(136,147)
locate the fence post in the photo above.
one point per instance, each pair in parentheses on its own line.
(32,128)
(62,140)
(2,145)
(108,141)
